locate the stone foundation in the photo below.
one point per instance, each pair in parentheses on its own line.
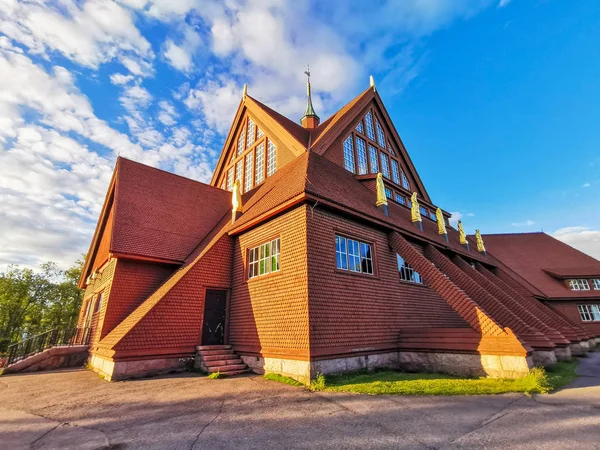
(579,348)
(495,366)
(123,370)
(544,358)
(353,363)
(563,353)
(52,358)
(298,370)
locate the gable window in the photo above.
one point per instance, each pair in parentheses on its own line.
(596,284)
(360,128)
(406,272)
(223,184)
(395,171)
(589,313)
(349,155)
(388,193)
(391,149)
(250,139)
(353,255)
(385,168)
(239,171)
(361,150)
(271,158)
(369,125)
(260,163)
(405,183)
(98,303)
(240,143)
(230,179)
(373,159)
(380,136)
(248,175)
(400,199)
(579,285)
(259,133)
(264,259)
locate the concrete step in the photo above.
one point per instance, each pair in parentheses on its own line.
(213,347)
(218,357)
(230,368)
(223,362)
(215,352)
(234,372)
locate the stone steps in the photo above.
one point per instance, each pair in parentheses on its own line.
(219,358)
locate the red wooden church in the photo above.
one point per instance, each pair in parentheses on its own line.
(299,258)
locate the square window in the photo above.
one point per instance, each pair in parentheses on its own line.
(264,259)
(353,255)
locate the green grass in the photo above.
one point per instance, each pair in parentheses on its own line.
(215,375)
(539,380)
(561,373)
(282,379)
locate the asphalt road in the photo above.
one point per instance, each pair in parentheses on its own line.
(76,409)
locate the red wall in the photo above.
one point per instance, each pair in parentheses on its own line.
(570,310)
(349,311)
(269,314)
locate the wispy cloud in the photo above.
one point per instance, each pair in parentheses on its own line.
(526,223)
(582,238)
(586,185)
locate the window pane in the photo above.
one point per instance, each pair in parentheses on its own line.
(349,155)
(230,179)
(405,183)
(595,312)
(241,142)
(239,171)
(400,199)
(373,159)
(395,172)
(361,149)
(250,139)
(248,178)
(259,133)
(369,125)
(388,193)
(260,161)
(385,168)
(271,158)
(359,127)
(380,136)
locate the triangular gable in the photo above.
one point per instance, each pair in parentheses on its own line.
(277,127)
(102,226)
(350,116)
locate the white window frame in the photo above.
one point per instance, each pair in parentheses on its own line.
(271,158)
(259,170)
(354,255)
(264,259)
(579,284)
(249,178)
(589,313)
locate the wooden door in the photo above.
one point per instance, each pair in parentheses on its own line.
(215,314)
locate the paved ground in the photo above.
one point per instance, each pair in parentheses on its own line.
(76,409)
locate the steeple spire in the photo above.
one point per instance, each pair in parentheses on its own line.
(310,119)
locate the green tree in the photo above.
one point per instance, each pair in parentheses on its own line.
(33,302)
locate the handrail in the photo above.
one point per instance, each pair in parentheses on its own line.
(51,338)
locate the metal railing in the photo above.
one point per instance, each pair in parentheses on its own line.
(52,338)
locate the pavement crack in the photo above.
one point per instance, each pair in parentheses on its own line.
(45,434)
(207,425)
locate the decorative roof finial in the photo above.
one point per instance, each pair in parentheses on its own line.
(372,82)
(310,118)
(245,90)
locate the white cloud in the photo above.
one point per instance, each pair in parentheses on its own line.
(503,3)
(454,218)
(584,239)
(178,57)
(167,114)
(90,34)
(119,78)
(526,223)
(586,185)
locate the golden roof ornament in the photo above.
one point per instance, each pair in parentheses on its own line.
(440,222)
(381,197)
(461,234)
(415,212)
(480,246)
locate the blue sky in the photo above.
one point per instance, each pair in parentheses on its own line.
(497,101)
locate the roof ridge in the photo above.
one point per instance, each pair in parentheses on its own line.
(166,172)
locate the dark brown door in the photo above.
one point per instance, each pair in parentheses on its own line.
(215,313)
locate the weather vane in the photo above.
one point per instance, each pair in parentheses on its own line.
(307,72)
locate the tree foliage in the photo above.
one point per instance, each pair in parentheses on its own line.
(33,302)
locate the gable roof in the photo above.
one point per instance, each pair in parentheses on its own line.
(542,260)
(158,215)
